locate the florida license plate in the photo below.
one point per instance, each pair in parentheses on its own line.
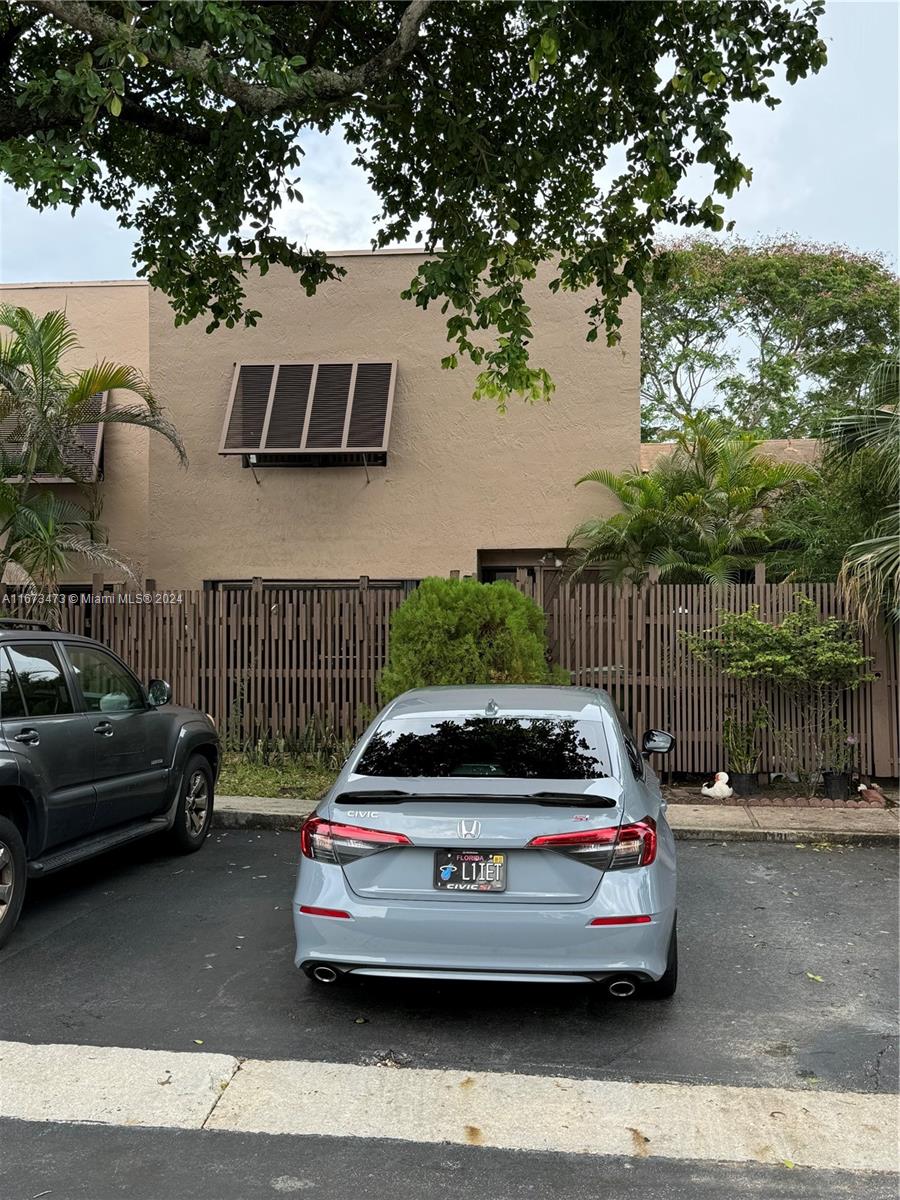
(469,871)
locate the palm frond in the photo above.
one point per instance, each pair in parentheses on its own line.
(870,574)
(131,414)
(108,377)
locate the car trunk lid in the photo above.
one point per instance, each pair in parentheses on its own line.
(480,819)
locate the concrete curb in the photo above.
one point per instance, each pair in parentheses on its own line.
(873,827)
(793,836)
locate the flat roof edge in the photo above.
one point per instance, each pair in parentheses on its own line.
(410,251)
(67,283)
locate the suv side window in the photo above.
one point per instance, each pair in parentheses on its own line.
(105,684)
(41,678)
(11,702)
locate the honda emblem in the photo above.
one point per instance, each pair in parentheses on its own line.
(468,829)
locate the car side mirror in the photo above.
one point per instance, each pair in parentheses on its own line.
(657,741)
(159,692)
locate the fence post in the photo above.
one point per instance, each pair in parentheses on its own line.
(255,664)
(883,710)
(759,574)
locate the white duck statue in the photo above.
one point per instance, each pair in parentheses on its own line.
(719,788)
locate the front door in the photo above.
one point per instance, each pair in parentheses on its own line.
(41,725)
(127,737)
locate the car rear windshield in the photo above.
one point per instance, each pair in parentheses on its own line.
(520,747)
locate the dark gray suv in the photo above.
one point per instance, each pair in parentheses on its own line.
(90,759)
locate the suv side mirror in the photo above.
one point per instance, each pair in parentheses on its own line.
(159,692)
(657,741)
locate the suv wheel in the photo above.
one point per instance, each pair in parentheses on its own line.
(665,986)
(195,806)
(13,877)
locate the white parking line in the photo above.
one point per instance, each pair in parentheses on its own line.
(110,1085)
(829,1130)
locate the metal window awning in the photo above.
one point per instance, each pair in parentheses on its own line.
(310,409)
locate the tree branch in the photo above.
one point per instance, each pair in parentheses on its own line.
(318,83)
(157,122)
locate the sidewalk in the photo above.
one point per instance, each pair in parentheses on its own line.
(704,822)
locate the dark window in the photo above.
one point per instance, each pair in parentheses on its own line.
(105,684)
(631,746)
(41,679)
(486,747)
(10,697)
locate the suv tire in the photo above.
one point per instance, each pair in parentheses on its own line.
(13,877)
(193,815)
(664,987)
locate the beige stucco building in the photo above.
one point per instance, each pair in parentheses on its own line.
(451,486)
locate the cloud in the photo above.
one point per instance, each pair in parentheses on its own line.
(49,246)
(339,208)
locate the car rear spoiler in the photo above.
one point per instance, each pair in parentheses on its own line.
(544,797)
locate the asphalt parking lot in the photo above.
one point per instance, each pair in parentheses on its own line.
(788,959)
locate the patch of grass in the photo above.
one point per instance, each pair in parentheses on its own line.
(303,777)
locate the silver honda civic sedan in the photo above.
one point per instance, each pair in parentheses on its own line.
(493,833)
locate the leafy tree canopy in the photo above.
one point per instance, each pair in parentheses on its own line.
(481,126)
(776,337)
(703,514)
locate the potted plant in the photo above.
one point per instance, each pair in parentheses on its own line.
(741,750)
(838,755)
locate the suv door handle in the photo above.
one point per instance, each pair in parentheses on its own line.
(30,737)
(105,728)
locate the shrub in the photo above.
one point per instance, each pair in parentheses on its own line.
(806,654)
(813,659)
(459,631)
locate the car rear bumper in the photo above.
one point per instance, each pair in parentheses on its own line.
(461,975)
(487,940)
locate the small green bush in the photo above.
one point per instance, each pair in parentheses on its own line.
(459,631)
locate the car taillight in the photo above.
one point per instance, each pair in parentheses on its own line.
(611,849)
(329,841)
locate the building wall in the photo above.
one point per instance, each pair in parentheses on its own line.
(460,477)
(111,320)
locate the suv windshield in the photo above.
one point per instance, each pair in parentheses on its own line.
(521,747)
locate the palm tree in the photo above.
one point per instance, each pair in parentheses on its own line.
(870,575)
(42,406)
(44,533)
(702,514)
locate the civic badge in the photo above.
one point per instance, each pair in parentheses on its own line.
(468,829)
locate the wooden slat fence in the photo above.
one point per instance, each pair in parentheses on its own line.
(629,642)
(266,659)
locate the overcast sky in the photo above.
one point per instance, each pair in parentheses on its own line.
(825,167)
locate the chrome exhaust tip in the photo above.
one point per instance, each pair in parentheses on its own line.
(324,974)
(621,988)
